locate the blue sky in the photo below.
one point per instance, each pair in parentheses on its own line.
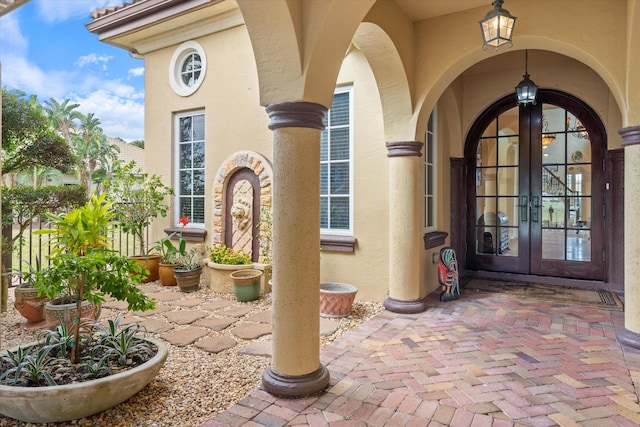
(45,50)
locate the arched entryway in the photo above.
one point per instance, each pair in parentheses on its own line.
(535,189)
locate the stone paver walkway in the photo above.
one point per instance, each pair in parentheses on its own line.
(483,360)
(214,325)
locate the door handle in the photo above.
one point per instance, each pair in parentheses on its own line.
(524,208)
(535,211)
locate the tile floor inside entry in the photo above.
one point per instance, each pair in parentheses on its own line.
(483,360)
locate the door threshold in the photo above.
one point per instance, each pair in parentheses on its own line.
(547,280)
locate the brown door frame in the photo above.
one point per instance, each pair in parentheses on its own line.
(523,265)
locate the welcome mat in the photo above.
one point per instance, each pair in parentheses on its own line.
(551,293)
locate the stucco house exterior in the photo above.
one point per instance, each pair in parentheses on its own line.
(380,131)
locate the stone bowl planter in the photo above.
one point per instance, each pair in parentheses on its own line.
(218,276)
(336,299)
(74,401)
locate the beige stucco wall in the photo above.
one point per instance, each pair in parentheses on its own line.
(234,119)
(448,70)
(367,268)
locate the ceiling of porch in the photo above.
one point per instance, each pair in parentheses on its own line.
(418,10)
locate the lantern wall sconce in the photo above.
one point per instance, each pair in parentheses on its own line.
(526,89)
(497,26)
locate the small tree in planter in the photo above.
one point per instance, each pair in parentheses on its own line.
(138,198)
(84,269)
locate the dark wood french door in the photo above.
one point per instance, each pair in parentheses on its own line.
(535,188)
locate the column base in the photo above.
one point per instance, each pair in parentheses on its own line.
(405,307)
(629,340)
(295,386)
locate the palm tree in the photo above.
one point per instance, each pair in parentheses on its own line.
(62,116)
(91,148)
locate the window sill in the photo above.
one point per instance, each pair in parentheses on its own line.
(434,239)
(189,234)
(335,243)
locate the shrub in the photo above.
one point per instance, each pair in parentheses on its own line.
(221,254)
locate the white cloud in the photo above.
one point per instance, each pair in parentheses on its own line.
(62,10)
(93,58)
(119,116)
(136,72)
(11,37)
(118,105)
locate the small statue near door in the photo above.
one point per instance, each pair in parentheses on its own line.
(448,275)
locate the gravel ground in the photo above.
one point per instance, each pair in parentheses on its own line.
(193,385)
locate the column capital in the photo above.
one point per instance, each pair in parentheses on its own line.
(630,135)
(404,148)
(296,115)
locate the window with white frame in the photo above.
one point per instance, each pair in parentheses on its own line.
(189,137)
(430,174)
(187,68)
(336,178)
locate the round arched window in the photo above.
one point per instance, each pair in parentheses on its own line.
(187,68)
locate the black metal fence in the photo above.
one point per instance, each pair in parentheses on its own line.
(33,247)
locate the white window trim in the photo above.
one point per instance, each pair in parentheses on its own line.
(346,232)
(175,67)
(434,183)
(176,167)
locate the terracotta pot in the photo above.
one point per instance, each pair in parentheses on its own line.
(74,401)
(56,313)
(188,280)
(166,274)
(246,284)
(151,263)
(336,299)
(28,303)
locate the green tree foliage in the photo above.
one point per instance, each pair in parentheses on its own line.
(27,138)
(139,199)
(21,205)
(138,143)
(62,115)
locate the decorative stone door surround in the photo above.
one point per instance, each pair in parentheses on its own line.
(240,202)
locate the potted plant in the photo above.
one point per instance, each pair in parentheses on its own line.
(74,233)
(221,263)
(39,384)
(83,270)
(170,254)
(138,198)
(189,271)
(21,205)
(246,284)
(27,300)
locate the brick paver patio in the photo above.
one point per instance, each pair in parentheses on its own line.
(483,360)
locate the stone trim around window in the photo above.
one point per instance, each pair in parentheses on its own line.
(336,243)
(434,239)
(189,234)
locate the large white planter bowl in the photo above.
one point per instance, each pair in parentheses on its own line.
(74,401)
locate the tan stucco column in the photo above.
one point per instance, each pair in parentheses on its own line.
(630,335)
(405,232)
(295,369)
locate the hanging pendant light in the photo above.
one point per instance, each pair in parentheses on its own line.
(526,89)
(497,26)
